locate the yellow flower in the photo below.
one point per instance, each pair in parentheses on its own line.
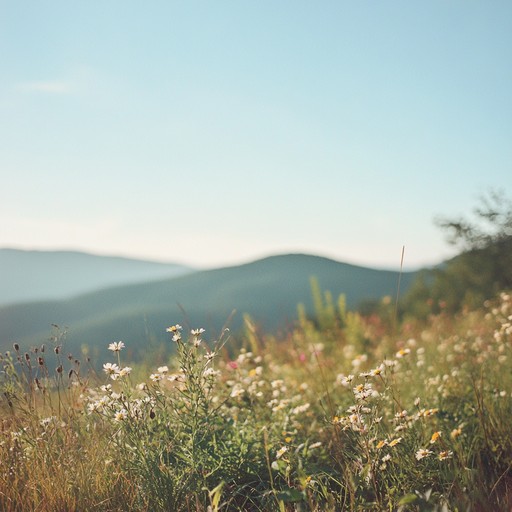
(445,455)
(402,353)
(435,437)
(395,441)
(456,432)
(281,452)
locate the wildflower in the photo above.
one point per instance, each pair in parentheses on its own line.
(300,408)
(175,330)
(279,405)
(197,339)
(375,372)
(237,391)
(386,458)
(401,415)
(111,369)
(435,437)
(281,452)
(46,421)
(345,380)
(93,406)
(121,415)
(210,372)
(445,455)
(381,444)
(253,372)
(359,360)
(394,442)
(156,377)
(425,413)
(116,346)
(364,391)
(456,432)
(402,353)
(422,453)
(163,369)
(125,371)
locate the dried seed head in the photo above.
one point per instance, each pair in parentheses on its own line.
(27,356)
(152,414)
(56,349)
(70,357)
(42,348)
(16,347)
(70,373)
(59,369)
(40,360)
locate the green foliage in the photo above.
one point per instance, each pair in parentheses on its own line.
(326,313)
(479,272)
(360,416)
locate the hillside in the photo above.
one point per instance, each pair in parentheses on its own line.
(268,289)
(45,275)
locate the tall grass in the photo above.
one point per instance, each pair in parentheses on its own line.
(355,414)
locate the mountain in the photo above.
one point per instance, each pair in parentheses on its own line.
(268,289)
(44,275)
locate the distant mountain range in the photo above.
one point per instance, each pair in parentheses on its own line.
(268,289)
(44,275)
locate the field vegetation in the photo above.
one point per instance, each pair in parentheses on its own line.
(389,410)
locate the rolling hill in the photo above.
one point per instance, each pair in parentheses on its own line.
(268,289)
(44,275)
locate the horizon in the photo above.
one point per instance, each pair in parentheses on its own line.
(217,134)
(403,267)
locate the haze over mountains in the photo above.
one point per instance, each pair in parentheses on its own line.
(138,313)
(43,275)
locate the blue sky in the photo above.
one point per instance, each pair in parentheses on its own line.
(212,133)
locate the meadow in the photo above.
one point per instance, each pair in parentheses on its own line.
(340,412)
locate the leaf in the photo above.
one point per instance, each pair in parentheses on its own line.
(408,498)
(290,495)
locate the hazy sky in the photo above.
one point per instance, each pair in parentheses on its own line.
(216,132)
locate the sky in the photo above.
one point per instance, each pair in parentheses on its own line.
(215,133)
